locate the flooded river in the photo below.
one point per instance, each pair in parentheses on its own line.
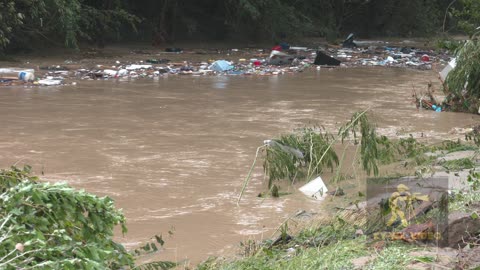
(173,152)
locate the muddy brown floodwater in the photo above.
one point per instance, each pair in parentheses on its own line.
(173,152)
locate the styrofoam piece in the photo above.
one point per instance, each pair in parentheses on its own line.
(298,48)
(315,189)
(135,67)
(49,82)
(110,72)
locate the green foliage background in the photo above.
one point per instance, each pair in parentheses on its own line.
(24,23)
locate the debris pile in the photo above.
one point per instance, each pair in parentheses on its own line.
(388,56)
(261,62)
(426,99)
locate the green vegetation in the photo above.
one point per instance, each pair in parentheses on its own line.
(458,164)
(329,245)
(463,82)
(346,240)
(61,22)
(304,154)
(53,226)
(468,16)
(463,201)
(68,22)
(315,154)
(359,123)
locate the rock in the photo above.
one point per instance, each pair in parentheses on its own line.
(336,192)
(361,262)
(469,258)
(461,226)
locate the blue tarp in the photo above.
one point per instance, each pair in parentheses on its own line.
(220,66)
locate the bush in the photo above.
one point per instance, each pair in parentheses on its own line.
(53,226)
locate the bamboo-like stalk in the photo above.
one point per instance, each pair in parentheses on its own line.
(309,175)
(247,179)
(5,221)
(339,167)
(354,165)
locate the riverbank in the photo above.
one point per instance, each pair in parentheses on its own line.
(353,237)
(146,62)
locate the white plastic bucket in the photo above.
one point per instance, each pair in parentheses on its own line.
(26,76)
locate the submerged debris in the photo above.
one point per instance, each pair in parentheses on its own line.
(426,100)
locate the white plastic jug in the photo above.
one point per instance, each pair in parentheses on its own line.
(26,76)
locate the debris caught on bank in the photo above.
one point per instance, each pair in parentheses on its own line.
(349,42)
(315,189)
(451,65)
(282,59)
(324,60)
(426,100)
(220,66)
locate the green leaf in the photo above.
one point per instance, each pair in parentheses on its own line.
(160,265)
(154,247)
(159,240)
(425,259)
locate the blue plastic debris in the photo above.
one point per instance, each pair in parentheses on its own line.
(235,72)
(220,66)
(436,108)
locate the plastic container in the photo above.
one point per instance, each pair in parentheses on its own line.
(26,76)
(315,189)
(425,58)
(17,73)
